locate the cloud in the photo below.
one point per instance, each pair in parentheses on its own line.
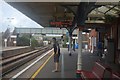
(14,18)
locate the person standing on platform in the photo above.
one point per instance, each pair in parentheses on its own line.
(56,54)
(100,47)
(74,44)
(62,42)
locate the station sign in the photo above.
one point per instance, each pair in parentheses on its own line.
(61,23)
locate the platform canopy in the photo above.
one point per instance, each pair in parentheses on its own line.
(64,12)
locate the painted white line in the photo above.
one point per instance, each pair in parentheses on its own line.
(18,74)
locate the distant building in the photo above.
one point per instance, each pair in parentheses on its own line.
(8,39)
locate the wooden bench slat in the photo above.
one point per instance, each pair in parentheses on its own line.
(88,74)
(116,76)
(98,70)
(96,73)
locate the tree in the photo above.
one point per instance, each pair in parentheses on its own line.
(34,42)
(23,41)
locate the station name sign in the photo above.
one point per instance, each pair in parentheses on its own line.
(60,23)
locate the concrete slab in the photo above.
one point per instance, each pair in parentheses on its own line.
(12,48)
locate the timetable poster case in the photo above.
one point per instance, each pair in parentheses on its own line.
(119,37)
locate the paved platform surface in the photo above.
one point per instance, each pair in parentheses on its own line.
(68,65)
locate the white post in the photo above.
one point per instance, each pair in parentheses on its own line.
(14,42)
(79,62)
(5,40)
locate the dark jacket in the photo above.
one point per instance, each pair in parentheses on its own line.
(56,47)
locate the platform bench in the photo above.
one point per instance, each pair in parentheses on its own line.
(97,72)
(115,76)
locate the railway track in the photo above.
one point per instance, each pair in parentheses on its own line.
(11,63)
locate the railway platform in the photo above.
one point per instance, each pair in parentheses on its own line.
(39,68)
(67,65)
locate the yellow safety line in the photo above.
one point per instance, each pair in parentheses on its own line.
(40,68)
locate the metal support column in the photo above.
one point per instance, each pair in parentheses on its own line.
(79,62)
(99,37)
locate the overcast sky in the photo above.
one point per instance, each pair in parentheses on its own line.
(11,17)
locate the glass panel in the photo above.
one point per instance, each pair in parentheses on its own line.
(53,30)
(103,9)
(59,31)
(117,8)
(112,12)
(43,30)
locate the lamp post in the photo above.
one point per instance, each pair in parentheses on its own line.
(5,40)
(31,37)
(14,43)
(10,21)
